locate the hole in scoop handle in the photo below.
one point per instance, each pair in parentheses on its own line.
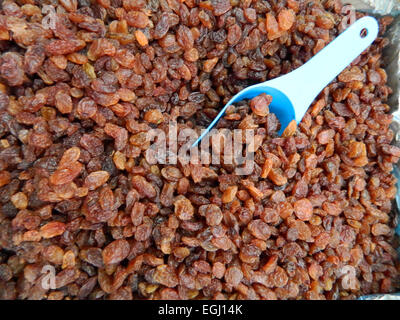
(305,83)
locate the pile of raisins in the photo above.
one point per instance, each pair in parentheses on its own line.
(82,82)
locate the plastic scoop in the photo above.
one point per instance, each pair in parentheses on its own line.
(293,93)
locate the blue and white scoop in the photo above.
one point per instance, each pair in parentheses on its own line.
(293,93)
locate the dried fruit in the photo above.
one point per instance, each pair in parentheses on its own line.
(52,229)
(286,18)
(233,276)
(141,38)
(183,208)
(116,251)
(303,209)
(96,179)
(311,217)
(259,105)
(19,200)
(229,194)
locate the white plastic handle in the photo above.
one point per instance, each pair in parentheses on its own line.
(306,82)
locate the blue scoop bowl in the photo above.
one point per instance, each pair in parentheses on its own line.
(293,93)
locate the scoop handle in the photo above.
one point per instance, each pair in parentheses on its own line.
(306,82)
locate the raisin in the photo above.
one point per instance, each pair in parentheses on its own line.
(234,34)
(63,102)
(119,134)
(56,47)
(213,215)
(66,175)
(162,26)
(303,209)
(166,276)
(82,86)
(286,18)
(259,105)
(34,58)
(141,38)
(272,27)
(96,179)
(144,187)
(116,251)
(184,208)
(233,276)
(220,6)
(137,19)
(52,229)
(229,194)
